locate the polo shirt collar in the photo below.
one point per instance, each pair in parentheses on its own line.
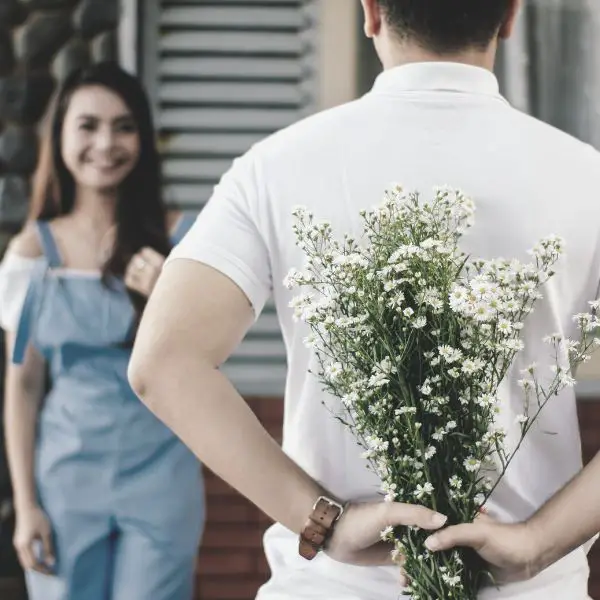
(437,76)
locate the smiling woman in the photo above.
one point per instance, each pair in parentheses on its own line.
(109,503)
(101,142)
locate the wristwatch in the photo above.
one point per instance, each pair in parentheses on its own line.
(319,526)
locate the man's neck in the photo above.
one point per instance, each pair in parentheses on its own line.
(401,54)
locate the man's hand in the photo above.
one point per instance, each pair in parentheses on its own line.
(511,550)
(356,538)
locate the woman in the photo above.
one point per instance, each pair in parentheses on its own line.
(109,503)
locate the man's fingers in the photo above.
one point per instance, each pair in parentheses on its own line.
(378,554)
(468,534)
(413,516)
(483,517)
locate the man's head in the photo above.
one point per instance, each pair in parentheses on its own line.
(441,27)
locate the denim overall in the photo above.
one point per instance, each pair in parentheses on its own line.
(124,496)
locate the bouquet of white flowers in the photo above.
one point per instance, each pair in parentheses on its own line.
(414,338)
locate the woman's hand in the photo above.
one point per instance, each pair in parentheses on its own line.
(143,270)
(33,529)
(356,537)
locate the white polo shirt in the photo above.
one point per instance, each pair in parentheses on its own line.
(422,125)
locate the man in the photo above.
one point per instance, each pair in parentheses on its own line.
(434,116)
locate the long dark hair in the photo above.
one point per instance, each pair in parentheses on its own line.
(140,214)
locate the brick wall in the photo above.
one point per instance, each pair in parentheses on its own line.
(231,565)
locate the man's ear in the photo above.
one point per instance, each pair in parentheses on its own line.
(373,17)
(508,25)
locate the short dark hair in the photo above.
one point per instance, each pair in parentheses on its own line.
(445,26)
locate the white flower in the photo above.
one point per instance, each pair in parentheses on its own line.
(429,243)
(555,338)
(449,354)
(450,425)
(455,482)
(530,369)
(472,464)
(470,366)
(292,279)
(504,327)
(333,371)
(423,490)
(438,435)
(485,400)
(385,366)
(408,312)
(458,296)
(526,384)
(583,320)
(350,399)
(565,380)
(520,419)
(430,452)
(483,312)
(594,304)
(310,341)
(405,410)
(378,380)
(420,322)
(425,388)
(451,580)
(514,345)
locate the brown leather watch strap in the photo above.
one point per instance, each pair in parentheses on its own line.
(319,527)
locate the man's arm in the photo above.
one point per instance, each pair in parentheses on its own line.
(565,522)
(194,319)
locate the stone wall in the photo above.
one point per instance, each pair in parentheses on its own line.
(41,41)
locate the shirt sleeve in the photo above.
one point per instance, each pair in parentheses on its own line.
(15,277)
(227,234)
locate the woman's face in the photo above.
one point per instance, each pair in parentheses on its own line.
(100,141)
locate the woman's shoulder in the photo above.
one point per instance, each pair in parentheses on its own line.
(173,218)
(26,243)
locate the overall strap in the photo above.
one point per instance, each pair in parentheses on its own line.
(49,244)
(23,334)
(184,223)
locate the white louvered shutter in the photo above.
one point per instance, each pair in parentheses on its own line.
(222,75)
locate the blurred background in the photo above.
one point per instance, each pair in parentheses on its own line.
(222,74)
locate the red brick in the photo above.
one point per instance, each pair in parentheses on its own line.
(234,537)
(231,509)
(228,562)
(215,486)
(228,588)
(262,567)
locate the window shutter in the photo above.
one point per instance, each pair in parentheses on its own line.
(222,75)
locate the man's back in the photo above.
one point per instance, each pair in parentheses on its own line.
(423,125)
